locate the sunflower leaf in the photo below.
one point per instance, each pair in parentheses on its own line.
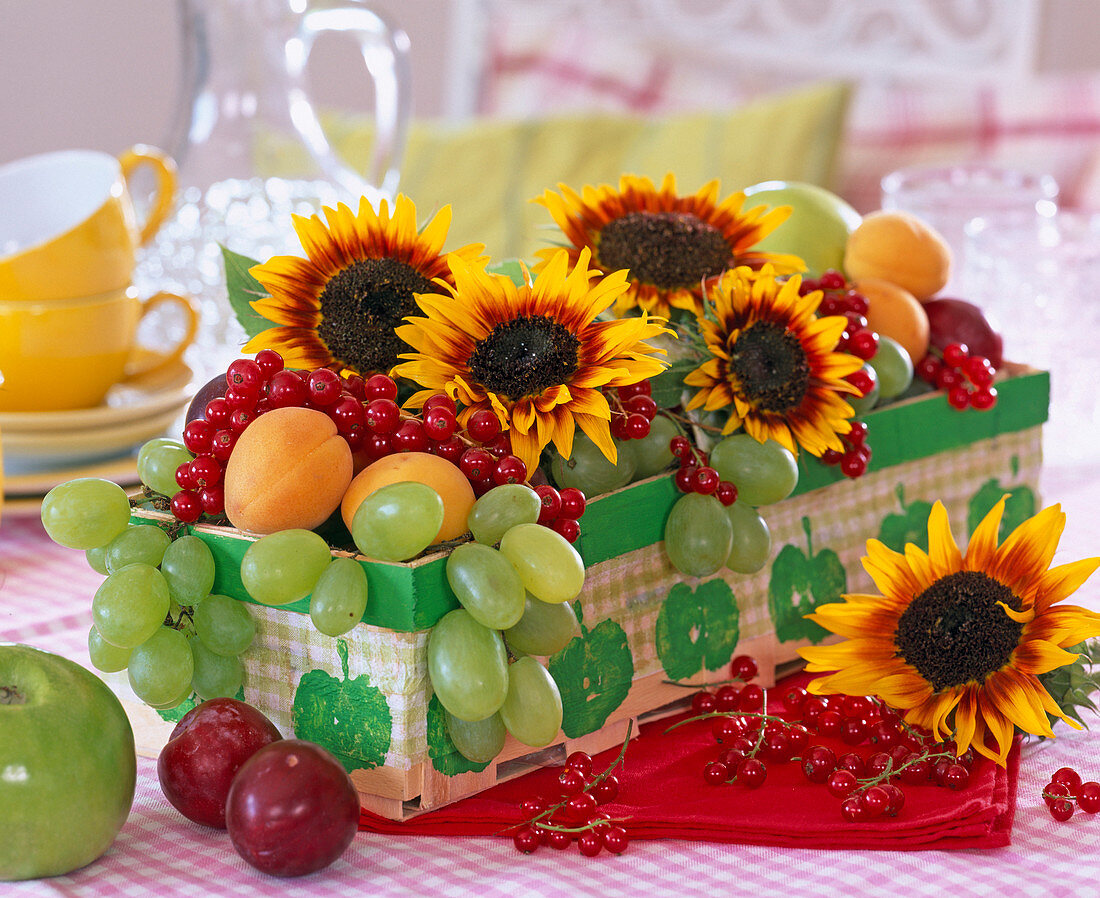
(243,288)
(667,387)
(509,268)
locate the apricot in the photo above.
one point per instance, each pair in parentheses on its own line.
(895,312)
(289,469)
(438,473)
(900,248)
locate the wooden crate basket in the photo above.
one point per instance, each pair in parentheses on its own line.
(645,629)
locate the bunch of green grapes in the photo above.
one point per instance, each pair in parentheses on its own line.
(716,523)
(154,614)
(515,582)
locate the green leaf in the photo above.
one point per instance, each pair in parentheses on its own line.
(509,268)
(667,387)
(242,288)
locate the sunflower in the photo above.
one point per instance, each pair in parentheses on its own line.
(772,362)
(339,306)
(533,354)
(959,642)
(670,244)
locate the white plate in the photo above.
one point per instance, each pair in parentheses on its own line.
(125,403)
(23,492)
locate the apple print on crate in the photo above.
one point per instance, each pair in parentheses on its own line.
(349,717)
(1020,506)
(697,628)
(445,757)
(594,673)
(908,526)
(800,581)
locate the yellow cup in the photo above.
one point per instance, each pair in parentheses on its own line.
(67,221)
(66,354)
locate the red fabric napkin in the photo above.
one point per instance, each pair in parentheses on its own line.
(663,796)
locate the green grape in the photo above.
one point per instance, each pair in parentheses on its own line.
(486,584)
(752,539)
(85,513)
(161,668)
(468,666)
(698,535)
(544,629)
(284,567)
(863,404)
(97,559)
(138,543)
(551,569)
(130,605)
(532,710)
(502,507)
(651,452)
(224,625)
(215,676)
(764,473)
(339,598)
(157,462)
(188,568)
(477,740)
(589,470)
(398,521)
(104,656)
(893,366)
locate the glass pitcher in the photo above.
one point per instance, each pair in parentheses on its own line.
(251,149)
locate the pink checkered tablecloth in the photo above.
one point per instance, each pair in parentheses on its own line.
(45,594)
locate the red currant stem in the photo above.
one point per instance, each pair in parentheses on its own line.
(591,824)
(891,770)
(591,784)
(688,422)
(768,718)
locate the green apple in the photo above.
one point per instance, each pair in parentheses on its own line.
(818,227)
(67,764)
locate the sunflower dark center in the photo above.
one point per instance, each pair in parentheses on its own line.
(771,367)
(666,249)
(360,307)
(524,356)
(955,632)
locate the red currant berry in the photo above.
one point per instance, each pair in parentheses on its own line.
(857,435)
(716,773)
(1088,797)
(979,371)
(629,391)
(853,763)
(606,789)
(615,840)
(589,843)
(269,362)
(477,464)
(580,807)
(857,302)
(572,782)
(794,697)
(510,470)
(244,373)
(323,387)
(928,369)
(186,506)
(383,415)
(751,773)
(863,344)
(1061,810)
(896,798)
(240,418)
(725,492)
(1069,776)
(558,839)
(956,777)
(482,426)
(727,698)
(198,436)
(818,761)
(862,381)
(636,427)
(831,457)
(380,386)
(549,501)
(286,390)
(183,476)
(703,702)
(958,397)
(573,503)
(955,354)
(743,667)
(874,802)
(641,405)
(851,809)
(704,480)
(752,698)
(410,437)
(217,412)
(212,499)
(205,471)
(679,447)
(984,398)
(526,839)
(567,528)
(581,761)
(439,423)
(841,783)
